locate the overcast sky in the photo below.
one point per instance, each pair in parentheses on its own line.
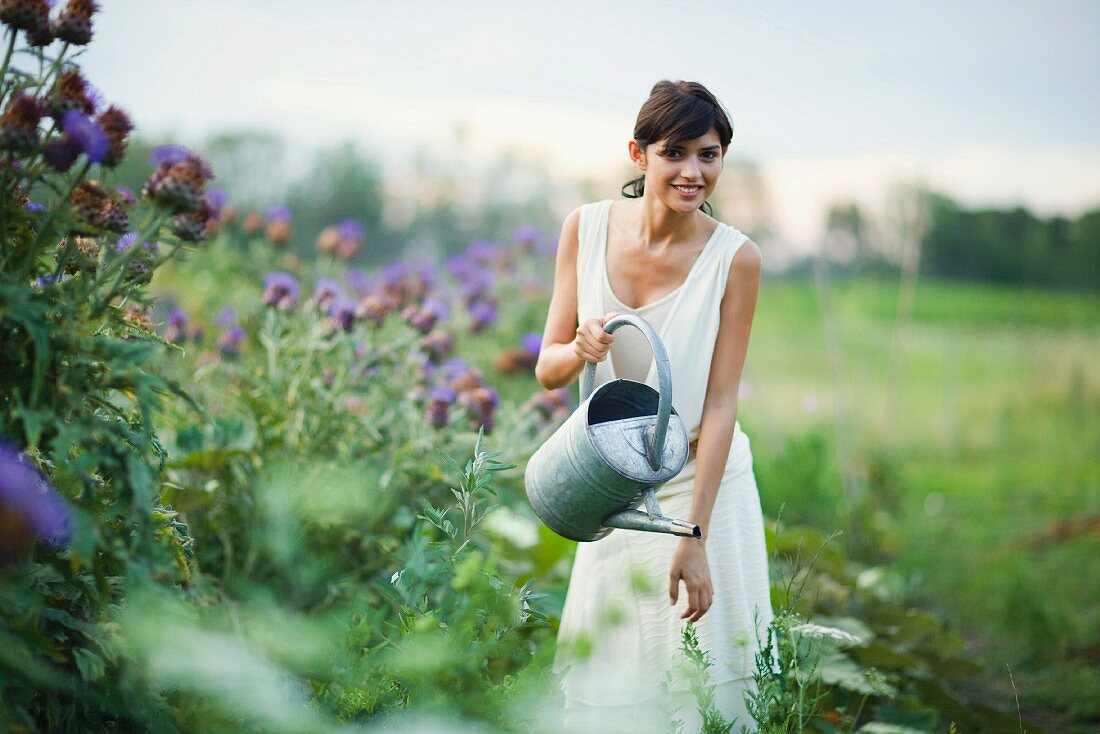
(991,102)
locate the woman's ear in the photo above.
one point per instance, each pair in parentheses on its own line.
(637,155)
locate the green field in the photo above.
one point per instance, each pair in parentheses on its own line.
(980,456)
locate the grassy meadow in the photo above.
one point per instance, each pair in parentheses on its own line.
(975,432)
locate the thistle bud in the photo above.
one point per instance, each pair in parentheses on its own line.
(116,125)
(372,309)
(74,23)
(177,182)
(19,124)
(437,345)
(25,15)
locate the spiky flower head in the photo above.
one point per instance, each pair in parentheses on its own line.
(92,203)
(74,23)
(532,343)
(30,507)
(281,290)
(71,92)
(176,332)
(25,15)
(19,124)
(278,230)
(61,153)
(527,235)
(324,290)
(482,315)
(229,343)
(328,241)
(194,226)
(372,309)
(116,125)
(87,133)
(178,179)
(342,312)
(351,238)
(437,345)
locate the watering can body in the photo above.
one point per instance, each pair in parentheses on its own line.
(621,443)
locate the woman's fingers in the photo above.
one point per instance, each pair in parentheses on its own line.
(674,587)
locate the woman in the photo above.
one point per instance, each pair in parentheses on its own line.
(659,255)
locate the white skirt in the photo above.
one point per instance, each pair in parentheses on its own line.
(620,639)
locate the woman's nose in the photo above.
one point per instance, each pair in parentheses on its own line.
(690,169)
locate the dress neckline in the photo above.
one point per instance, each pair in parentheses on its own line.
(676,295)
(668,296)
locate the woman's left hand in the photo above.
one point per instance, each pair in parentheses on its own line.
(689,564)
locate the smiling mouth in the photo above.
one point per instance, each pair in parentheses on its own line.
(687,189)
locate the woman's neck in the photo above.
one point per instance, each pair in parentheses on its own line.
(656,226)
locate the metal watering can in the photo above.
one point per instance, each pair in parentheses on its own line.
(620,444)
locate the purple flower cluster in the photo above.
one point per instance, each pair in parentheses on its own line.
(179,329)
(230,341)
(281,290)
(463,385)
(278,229)
(550,406)
(427,315)
(522,358)
(178,179)
(30,507)
(343,239)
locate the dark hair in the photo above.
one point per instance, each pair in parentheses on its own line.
(678,111)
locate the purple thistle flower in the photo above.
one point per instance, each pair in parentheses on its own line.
(178,318)
(436,306)
(324,291)
(281,289)
(342,312)
(437,413)
(279,213)
(61,153)
(483,251)
(229,343)
(394,272)
(442,394)
(28,502)
(177,327)
(482,315)
(48,279)
(452,368)
(126,241)
(227,316)
(352,229)
(126,193)
(87,133)
(34,207)
(527,234)
(168,154)
(459,265)
(532,342)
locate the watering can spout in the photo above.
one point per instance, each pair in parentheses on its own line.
(638,520)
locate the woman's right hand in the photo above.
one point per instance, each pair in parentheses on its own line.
(592,343)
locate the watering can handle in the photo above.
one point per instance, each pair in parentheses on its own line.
(655,434)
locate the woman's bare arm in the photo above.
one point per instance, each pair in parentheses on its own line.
(727,364)
(566,347)
(689,562)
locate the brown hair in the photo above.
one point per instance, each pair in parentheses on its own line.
(678,111)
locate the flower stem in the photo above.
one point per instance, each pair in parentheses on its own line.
(4,68)
(46,226)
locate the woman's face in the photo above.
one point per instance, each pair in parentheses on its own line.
(683,175)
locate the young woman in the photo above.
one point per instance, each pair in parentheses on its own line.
(659,255)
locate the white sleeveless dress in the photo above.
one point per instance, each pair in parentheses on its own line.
(619,636)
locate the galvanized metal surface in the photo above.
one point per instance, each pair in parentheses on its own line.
(621,443)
